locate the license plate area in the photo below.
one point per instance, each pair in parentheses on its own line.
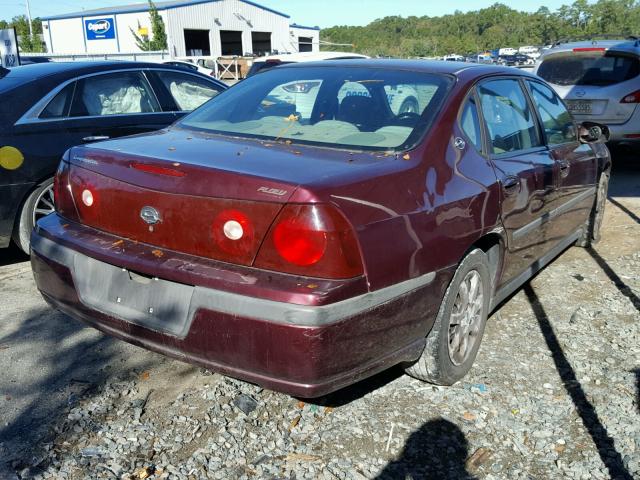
(580,107)
(150,302)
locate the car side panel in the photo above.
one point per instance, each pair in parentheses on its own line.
(16,183)
(525,206)
(436,210)
(576,182)
(12,197)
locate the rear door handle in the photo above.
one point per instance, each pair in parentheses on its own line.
(95,138)
(511,185)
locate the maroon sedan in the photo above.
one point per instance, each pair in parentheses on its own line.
(302,232)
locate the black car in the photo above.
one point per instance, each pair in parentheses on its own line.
(30,60)
(47,108)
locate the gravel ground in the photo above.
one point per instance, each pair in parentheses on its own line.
(555,393)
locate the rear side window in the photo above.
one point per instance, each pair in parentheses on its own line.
(470,124)
(188,91)
(510,123)
(114,94)
(590,68)
(59,106)
(556,120)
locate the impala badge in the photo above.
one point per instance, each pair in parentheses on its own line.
(272,191)
(150,215)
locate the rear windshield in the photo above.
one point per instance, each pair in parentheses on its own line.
(349,107)
(589,69)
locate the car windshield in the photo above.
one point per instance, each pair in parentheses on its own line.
(344,107)
(589,69)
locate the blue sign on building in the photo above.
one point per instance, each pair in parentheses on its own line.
(100,29)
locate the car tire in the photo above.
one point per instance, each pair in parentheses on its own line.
(591,231)
(38,204)
(441,362)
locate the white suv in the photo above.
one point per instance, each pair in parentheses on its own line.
(599,80)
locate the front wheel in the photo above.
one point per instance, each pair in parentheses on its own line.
(591,231)
(454,340)
(37,205)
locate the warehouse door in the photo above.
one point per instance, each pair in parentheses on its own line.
(304,44)
(231,42)
(261,43)
(196,43)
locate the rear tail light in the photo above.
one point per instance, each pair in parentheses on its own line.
(86,200)
(62,196)
(589,49)
(234,234)
(633,97)
(311,240)
(87,197)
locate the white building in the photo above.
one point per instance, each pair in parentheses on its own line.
(194,28)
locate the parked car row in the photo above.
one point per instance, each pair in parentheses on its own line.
(301,230)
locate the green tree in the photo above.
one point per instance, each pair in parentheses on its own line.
(156,39)
(488,28)
(27,42)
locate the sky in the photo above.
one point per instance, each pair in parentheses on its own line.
(323,13)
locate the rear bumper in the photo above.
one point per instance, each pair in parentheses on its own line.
(628,131)
(306,350)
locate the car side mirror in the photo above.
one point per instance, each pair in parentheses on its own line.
(591,132)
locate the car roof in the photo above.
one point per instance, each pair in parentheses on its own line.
(629,46)
(309,56)
(39,70)
(24,74)
(424,66)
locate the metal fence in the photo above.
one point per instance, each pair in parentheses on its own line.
(134,56)
(224,68)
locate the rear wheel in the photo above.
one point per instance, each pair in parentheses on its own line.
(38,204)
(591,230)
(454,340)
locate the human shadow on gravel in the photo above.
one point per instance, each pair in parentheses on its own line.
(437,450)
(622,287)
(62,362)
(601,439)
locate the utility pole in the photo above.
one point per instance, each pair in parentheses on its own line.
(29,19)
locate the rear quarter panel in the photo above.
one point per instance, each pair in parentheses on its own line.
(16,182)
(423,210)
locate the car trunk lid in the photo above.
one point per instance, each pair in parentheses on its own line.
(179,189)
(182,206)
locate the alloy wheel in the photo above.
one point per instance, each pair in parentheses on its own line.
(43,205)
(466,318)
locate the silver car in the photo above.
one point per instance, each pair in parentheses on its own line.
(599,80)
